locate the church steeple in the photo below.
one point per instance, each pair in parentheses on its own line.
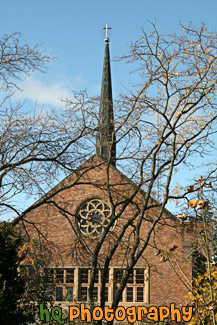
(105,139)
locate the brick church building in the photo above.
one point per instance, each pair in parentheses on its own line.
(86,231)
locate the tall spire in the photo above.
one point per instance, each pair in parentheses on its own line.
(105,139)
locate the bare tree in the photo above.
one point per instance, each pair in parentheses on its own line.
(36,148)
(31,139)
(161,124)
(165,120)
(18,59)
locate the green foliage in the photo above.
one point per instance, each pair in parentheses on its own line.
(201,298)
(12,284)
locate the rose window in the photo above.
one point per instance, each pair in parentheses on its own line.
(93,217)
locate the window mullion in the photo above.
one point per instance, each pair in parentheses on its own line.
(134,285)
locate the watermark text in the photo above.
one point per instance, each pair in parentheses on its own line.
(131,314)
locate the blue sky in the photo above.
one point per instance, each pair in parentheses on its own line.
(71,31)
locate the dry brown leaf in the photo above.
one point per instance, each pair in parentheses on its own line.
(190,189)
(201,204)
(192,203)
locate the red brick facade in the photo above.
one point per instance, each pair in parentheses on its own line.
(54,227)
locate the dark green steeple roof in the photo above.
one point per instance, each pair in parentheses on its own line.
(105,139)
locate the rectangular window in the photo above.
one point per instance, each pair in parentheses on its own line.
(83,294)
(134,290)
(140,276)
(95,293)
(129,294)
(84,282)
(140,294)
(59,275)
(70,276)
(118,276)
(69,296)
(130,279)
(65,283)
(96,279)
(106,294)
(84,275)
(62,278)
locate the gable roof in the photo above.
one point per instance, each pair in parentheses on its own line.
(93,162)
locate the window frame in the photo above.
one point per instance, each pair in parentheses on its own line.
(132,284)
(97,285)
(61,283)
(129,296)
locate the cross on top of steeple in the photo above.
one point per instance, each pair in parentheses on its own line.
(106,28)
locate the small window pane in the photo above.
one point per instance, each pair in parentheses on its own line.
(130,294)
(118,276)
(59,275)
(106,294)
(95,293)
(59,294)
(84,276)
(140,276)
(69,276)
(96,280)
(130,279)
(69,296)
(139,294)
(84,293)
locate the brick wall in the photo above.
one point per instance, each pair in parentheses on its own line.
(55,229)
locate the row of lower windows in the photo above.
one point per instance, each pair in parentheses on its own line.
(60,275)
(66,293)
(66,282)
(130,294)
(67,276)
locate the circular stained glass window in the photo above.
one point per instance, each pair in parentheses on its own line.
(93,216)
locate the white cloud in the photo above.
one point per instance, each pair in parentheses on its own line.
(44,93)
